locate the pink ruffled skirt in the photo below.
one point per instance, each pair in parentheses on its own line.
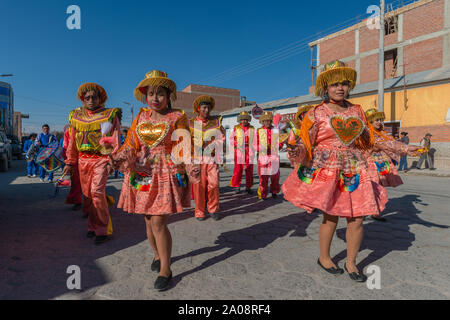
(325,194)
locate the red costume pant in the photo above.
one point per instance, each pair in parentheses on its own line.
(264,183)
(206,192)
(237,175)
(74,196)
(93,178)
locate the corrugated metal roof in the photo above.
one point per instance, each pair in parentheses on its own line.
(414,79)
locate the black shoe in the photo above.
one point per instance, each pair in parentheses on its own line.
(201,219)
(215,216)
(249,191)
(162,283)
(90,234)
(331,270)
(237,191)
(274,195)
(378,218)
(358,277)
(156,265)
(76,207)
(100,239)
(85,216)
(432,169)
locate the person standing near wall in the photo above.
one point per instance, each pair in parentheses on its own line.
(425,143)
(404,159)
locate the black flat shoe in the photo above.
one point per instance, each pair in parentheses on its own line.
(249,191)
(358,277)
(378,218)
(90,234)
(237,191)
(156,265)
(162,283)
(101,239)
(331,270)
(76,207)
(215,216)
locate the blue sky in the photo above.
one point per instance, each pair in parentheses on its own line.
(194,41)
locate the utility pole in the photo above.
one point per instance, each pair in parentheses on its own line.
(381,61)
(132,113)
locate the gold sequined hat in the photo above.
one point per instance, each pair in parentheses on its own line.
(373,114)
(244,115)
(267,115)
(335,72)
(155,78)
(90,86)
(203,99)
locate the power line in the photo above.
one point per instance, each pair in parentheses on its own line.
(275,56)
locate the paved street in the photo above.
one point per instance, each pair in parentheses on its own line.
(258,250)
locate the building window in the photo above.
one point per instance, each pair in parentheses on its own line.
(390,64)
(390,25)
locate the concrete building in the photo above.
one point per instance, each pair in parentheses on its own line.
(226,99)
(417,72)
(18,124)
(417,57)
(6,107)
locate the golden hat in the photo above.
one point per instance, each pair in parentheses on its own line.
(90,86)
(203,99)
(335,72)
(303,109)
(155,78)
(373,114)
(267,115)
(244,115)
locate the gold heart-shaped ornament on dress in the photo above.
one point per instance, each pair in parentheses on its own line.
(348,129)
(152,133)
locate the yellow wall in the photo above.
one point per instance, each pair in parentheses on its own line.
(426,106)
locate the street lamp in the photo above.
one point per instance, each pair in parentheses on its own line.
(132,113)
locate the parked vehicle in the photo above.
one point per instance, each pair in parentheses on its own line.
(5,152)
(16,147)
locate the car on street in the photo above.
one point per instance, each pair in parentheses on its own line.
(16,147)
(5,152)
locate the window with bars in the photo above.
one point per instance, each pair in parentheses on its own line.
(390,25)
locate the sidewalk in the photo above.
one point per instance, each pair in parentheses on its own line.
(443,173)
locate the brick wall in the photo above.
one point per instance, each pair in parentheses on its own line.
(441,133)
(424,55)
(423,20)
(337,48)
(368,39)
(369,69)
(186,98)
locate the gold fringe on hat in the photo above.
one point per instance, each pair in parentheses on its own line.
(204,98)
(90,86)
(335,72)
(244,115)
(267,115)
(155,78)
(373,114)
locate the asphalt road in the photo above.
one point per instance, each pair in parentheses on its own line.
(258,250)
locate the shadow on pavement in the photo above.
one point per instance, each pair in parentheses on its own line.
(255,237)
(383,238)
(41,238)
